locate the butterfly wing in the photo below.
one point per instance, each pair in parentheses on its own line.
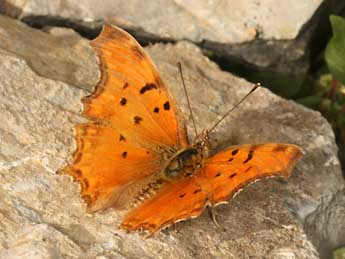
(230,170)
(132,121)
(131,96)
(220,177)
(180,200)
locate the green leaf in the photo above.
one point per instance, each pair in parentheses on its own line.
(335,50)
(339,253)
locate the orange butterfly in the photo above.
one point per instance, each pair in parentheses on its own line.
(134,153)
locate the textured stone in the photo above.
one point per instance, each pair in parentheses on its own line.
(261,35)
(56,57)
(325,225)
(229,21)
(43,215)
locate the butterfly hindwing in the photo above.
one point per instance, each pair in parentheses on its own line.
(179,200)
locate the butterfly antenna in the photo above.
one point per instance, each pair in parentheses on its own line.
(256,86)
(185,91)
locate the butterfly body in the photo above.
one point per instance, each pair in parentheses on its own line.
(134,152)
(182,163)
(187,161)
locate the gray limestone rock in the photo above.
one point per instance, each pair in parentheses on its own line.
(58,57)
(42,214)
(326,225)
(264,35)
(229,21)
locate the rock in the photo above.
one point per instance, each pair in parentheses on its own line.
(255,34)
(325,226)
(228,21)
(58,58)
(43,215)
(41,241)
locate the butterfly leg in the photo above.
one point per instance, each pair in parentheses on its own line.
(174,227)
(213,215)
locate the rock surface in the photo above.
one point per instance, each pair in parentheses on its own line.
(60,58)
(42,214)
(257,34)
(325,226)
(229,21)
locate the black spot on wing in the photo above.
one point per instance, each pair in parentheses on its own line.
(137,119)
(147,87)
(166,106)
(196,191)
(249,157)
(182,195)
(125,85)
(124,154)
(122,138)
(232,175)
(123,101)
(218,174)
(234,152)
(156,110)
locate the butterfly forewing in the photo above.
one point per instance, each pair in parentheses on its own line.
(131,96)
(105,163)
(230,170)
(132,121)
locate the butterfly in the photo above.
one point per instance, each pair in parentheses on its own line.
(133,152)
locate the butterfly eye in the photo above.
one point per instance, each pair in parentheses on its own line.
(201,143)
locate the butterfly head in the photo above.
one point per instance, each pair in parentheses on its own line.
(202,141)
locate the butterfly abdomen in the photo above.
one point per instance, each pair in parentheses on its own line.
(148,191)
(183,164)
